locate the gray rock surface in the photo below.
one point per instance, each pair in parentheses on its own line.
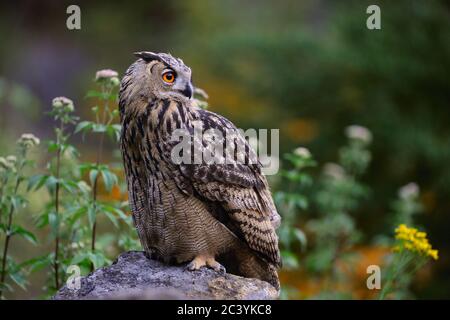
(133,276)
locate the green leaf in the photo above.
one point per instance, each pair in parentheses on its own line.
(301,238)
(37,264)
(71,151)
(37,181)
(97,127)
(16,202)
(19,279)
(113,131)
(6,287)
(96,94)
(110,212)
(24,233)
(68,185)
(84,126)
(114,210)
(293,199)
(42,220)
(112,218)
(93,176)
(53,220)
(51,182)
(84,167)
(79,258)
(97,259)
(52,146)
(109,179)
(290,260)
(83,187)
(76,214)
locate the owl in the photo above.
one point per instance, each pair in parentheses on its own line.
(212,214)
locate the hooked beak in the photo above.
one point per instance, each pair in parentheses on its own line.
(188,91)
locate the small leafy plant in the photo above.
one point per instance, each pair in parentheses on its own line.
(411,252)
(13,173)
(63,186)
(108,82)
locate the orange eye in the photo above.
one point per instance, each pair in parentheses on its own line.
(169,76)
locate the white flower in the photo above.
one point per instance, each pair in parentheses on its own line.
(302,152)
(334,170)
(7,163)
(63,103)
(409,191)
(201,93)
(29,140)
(358,133)
(11,159)
(107,75)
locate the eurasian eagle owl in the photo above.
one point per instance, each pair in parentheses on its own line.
(208,214)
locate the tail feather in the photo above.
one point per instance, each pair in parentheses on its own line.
(246,263)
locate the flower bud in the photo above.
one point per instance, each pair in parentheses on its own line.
(409,191)
(360,133)
(334,170)
(302,152)
(28,140)
(107,76)
(63,104)
(7,163)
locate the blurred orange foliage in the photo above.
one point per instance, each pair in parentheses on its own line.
(355,275)
(300,130)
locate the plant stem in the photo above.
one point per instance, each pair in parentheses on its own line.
(57,189)
(94,196)
(397,265)
(95,186)
(8,238)
(2,189)
(56,252)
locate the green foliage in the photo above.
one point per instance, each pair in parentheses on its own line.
(13,174)
(326,208)
(335,195)
(74,208)
(291,201)
(411,252)
(104,117)
(64,187)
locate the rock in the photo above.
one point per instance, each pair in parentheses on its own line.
(133,276)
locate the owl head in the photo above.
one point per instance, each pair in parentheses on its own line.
(165,76)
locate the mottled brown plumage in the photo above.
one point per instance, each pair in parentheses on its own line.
(191,212)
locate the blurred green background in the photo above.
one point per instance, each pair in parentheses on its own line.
(309,68)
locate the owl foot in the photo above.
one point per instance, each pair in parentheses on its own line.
(205,261)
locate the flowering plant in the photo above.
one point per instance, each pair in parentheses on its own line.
(411,252)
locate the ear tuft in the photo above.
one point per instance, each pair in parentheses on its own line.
(148,56)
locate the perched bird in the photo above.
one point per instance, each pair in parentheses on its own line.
(209,214)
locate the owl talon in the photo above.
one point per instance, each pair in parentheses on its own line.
(213,264)
(191,266)
(205,261)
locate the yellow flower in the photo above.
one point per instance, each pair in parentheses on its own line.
(421,235)
(433,254)
(415,241)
